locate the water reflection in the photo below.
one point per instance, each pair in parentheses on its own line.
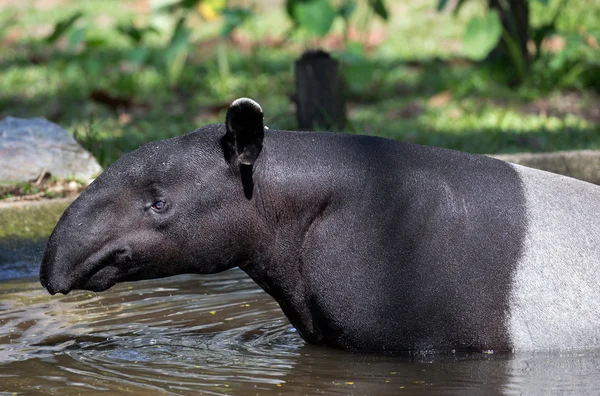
(20,257)
(222,335)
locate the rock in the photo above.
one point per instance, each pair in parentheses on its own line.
(582,165)
(29,147)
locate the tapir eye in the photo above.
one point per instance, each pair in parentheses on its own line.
(159,205)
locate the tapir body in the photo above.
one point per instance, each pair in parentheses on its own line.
(366,243)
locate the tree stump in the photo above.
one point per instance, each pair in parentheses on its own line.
(320,100)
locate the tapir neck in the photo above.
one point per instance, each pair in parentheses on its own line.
(294,188)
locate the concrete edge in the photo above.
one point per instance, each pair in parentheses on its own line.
(38,202)
(579,164)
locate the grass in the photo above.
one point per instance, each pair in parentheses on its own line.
(422,91)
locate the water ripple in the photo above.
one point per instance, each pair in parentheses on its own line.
(220,335)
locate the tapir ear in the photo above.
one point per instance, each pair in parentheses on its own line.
(243,140)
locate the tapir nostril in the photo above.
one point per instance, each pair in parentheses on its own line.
(55,287)
(50,289)
(123,254)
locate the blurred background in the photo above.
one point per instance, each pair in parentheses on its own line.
(483,76)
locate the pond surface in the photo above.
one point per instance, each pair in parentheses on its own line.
(221,335)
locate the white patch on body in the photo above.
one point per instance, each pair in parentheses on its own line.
(555,299)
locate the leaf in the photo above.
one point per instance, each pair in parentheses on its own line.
(359,74)
(180,36)
(289,8)
(62,26)
(356,47)
(182,4)
(347,9)
(458,6)
(177,50)
(137,35)
(357,69)
(515,54)
(137,55)
(11,21)
(378,7)
(316,16)
(354,53)
(95,42)
(93,66)
(543,2)
(76,36)
(482,35)
(441,5)
(233,18)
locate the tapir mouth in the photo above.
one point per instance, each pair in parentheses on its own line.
(102,279)
(99,272)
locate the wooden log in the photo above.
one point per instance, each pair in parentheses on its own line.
(320,100)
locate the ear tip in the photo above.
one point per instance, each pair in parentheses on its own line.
(246,103)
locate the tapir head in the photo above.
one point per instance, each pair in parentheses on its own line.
(174,206)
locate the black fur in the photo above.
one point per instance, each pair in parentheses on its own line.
(242,142)
(366,243)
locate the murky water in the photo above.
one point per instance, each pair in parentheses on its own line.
(221,335)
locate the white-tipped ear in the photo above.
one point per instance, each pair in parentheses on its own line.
(245,127)
(247,102)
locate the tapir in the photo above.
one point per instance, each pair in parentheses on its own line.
(366,243)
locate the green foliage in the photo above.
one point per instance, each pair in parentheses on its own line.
(358,69)
(180,43)
(63,26)
(76,36)
(441,5)
(482,35)
(135,34)
(576,66)
(177,50)
(233,18)
(6,24)
(172,75)
(346,9)
(515,55)
(571,67)
(380,9)
(316,16)
(179,5)
(51,194)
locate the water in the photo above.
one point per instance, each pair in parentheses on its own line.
(220,335)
